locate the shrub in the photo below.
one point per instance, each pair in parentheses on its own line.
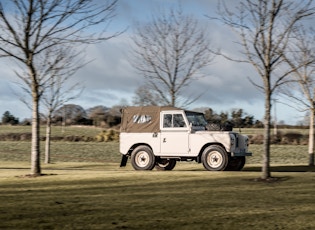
(25,136)
(107,136)
(15,137)
(292,138)
(256,139)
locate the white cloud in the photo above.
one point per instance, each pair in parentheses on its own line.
(110,77)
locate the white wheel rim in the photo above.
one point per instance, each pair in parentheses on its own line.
(163,164)
(214,159)
(142,159)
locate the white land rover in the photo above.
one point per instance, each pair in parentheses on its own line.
(158,136)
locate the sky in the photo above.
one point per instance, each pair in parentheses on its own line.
(110,79)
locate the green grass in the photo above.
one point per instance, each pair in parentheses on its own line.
(84,188)
(92,131)
(109,152)
(104,196)
(255,131)
(56,130)
(280,154)
(63,151)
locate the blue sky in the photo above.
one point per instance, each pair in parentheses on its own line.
(110,79)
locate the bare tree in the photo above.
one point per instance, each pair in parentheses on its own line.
(302,59)
(170,52)
(57,66)
(70,113)
(97,114)
(144,96)
(265,29)
(60,66)
(31,27)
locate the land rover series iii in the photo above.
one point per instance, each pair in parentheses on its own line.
(159,136)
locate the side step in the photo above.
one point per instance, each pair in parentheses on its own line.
(124,160)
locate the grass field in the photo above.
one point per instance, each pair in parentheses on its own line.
(109,152)
(56,130)
(84,188)
(103,196)
(92,131)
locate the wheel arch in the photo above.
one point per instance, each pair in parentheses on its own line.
(206,146)
(137,145)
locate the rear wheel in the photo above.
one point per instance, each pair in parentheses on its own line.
(236,163)
(214,158)
(142,158)
(165,164)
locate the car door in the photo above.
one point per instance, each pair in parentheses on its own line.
(174,134)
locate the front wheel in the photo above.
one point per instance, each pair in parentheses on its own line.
(214,158)
(165,164)
(142,158)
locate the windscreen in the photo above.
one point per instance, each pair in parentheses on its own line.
(196,119)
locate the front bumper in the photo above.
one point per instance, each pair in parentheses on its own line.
(241,154)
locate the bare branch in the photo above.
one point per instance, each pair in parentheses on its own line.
(44,36)
(265,29)
(170,51)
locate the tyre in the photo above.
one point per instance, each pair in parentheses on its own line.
(236,163)
(142,158)
(214,158)
(165,164)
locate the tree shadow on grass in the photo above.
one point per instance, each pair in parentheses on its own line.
(14,168)
(284,168)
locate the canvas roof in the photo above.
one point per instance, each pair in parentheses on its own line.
(142,119)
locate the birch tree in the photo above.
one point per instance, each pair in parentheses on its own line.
(302,89)
(31,27)
(59,69)
(265,28)
(170,52)
(57,65)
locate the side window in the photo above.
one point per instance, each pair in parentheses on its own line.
(167,121)
(141,119)
(176,120)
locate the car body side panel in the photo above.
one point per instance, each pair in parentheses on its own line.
(174,143)
(200,138)
(127,140)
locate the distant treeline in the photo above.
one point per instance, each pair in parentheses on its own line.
(102,116)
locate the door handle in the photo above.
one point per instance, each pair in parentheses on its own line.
(164,140)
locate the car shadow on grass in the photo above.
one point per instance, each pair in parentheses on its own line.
(283,168)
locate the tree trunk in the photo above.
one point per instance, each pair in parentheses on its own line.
(266,154)
(47,143)
(173,97)
(35,154)
(311,138)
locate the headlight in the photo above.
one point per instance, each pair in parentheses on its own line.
(232,140)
